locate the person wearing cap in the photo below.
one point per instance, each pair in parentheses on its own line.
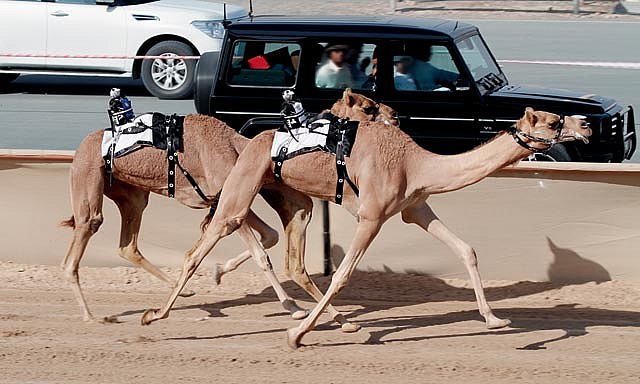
(401,78)
(336,72)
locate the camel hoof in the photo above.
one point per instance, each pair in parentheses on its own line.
(110,320)
(148,317)
(187,293)
(350,327)
(300,314)
(293,338)
(217,274)
(497,323)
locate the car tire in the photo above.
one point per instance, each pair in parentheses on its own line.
(169,78)
(205,74)
(557,153)
(6,78)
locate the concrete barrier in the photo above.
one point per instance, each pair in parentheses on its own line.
(564,222)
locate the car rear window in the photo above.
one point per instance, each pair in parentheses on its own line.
(264,64)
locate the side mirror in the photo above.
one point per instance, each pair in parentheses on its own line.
(106,2)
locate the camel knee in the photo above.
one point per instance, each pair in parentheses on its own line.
(264,262)
(95,223)
(339,281)
(70,273)
(468,255)
(225,227)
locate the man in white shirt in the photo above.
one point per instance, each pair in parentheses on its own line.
(336,72)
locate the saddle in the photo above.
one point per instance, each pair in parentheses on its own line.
(324,132)
(149,130)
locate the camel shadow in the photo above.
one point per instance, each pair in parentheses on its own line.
(569,318)
(72,85)
(393,290)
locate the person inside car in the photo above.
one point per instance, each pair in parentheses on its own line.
(402,80)
(426,76)
(336,72)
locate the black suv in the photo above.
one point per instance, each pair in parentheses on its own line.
(439,75)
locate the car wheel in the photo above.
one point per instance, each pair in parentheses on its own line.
(169,78)
(556,153)
(6,78)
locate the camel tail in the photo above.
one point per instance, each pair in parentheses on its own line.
(212,211)
(71,222)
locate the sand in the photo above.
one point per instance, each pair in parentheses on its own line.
(415,329)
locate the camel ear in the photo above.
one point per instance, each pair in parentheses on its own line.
(530,116)
(347,97)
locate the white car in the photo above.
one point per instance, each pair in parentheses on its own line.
(120,28)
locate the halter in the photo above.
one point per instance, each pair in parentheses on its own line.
(518,135)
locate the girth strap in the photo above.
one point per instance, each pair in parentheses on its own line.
(277,168)
(341,168)
(172,156)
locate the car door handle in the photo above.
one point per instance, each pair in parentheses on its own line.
(59,14)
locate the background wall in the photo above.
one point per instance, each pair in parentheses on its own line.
(575,225)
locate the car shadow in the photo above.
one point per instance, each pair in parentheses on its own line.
(73,85)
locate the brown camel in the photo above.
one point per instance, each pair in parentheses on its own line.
(393,175)
(211,150)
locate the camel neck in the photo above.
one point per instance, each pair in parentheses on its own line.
(439,173)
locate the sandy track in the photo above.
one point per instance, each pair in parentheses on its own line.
(416,329)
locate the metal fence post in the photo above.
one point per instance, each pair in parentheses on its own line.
(326,236)
(393,5)
(576,7)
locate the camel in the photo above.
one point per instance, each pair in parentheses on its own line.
(212,149)
(394,175)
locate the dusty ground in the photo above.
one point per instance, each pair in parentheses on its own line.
(416,329)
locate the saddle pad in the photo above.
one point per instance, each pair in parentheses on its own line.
(301,140)
(129,137)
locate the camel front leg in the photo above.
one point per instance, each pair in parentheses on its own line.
(424,216)
(193,258)
(365,232)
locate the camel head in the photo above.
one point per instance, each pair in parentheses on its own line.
(360,108)
(539,130)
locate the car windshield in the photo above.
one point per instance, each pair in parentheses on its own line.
(483,68)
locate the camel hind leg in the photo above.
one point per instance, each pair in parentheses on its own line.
(423,216)
(294,209)
(131,202)
(268,238)
(86,202)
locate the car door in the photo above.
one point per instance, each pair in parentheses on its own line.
(23,27)
(82,27)
(431,92)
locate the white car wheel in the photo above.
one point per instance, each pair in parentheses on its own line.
(167,77)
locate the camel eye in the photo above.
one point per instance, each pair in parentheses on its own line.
(370,110)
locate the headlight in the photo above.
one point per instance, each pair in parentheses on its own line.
(211,28)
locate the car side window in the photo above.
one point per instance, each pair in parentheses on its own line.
(264,64)
(420,66)
(350,65)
